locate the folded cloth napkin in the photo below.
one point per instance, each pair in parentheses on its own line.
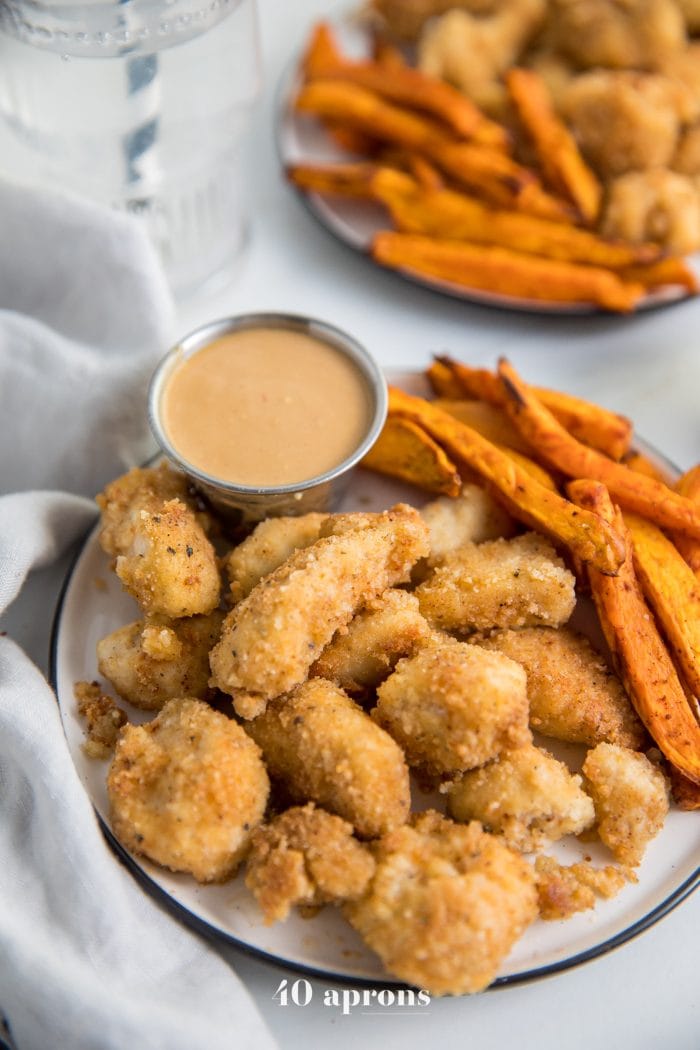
(87,959)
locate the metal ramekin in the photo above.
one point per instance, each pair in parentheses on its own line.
(243,503)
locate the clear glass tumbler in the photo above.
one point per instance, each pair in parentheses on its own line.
(140,104)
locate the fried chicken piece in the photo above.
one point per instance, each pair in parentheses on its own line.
(150,662)
(471,518)
(624,121)
(446,904)
(270,639)
(404,19)
(102,717)
(633,34)
(472,53)
(361,655)
(573,695)
(686,159)
(659,205)
(267,547)
(325,749)
(631,798)
(503,583)
(163,556)
(187,789)
(526,795)
(563,890)
(684,70)
(452,707)
(305,857)
(690,9)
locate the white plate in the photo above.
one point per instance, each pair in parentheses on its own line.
(301,140)
(93,604)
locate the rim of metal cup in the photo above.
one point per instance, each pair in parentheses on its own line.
(321,330)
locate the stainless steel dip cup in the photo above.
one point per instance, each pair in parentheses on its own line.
(244,503)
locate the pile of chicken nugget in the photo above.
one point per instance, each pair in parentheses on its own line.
(306,681)
(538,149)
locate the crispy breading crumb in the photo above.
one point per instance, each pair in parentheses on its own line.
(526,795)
(446,904)
(305,857)
(563,890)
(573,694)
(631,798)
(520,582)
(103,719)
(453,706)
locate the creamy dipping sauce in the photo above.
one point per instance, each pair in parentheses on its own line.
(266,406)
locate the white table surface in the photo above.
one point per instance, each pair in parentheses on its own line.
(645,995)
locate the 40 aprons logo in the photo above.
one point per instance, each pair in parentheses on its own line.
(367,1000)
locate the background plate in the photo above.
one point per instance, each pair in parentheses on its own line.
(93,604)
(301,140)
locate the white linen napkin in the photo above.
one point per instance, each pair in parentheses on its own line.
(87,959)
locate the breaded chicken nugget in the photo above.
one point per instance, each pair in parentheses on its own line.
(187,789)
(270,639)
(526,795)
(631,799)
(471,518)
(149,662)
(573,694)
(636,34)
(124,498)
(503,583)
(325,749)
(564,889)
(451,709)
(305,857)
(446,904)
(686,159)
(267,547)
(361,655)
(658,205)
(171,566)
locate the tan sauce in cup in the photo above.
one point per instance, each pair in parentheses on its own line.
(264,407)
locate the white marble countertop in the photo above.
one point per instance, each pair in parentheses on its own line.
(644,995)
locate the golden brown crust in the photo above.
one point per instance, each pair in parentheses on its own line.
(187,789)
(103,719)
(267,547)
(563,890)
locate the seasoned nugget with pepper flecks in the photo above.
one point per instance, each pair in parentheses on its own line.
(187,789)
(452,707)
(573,694)
(121,503)
(631,799)
(502,583)
(305,857)
(150,662)
(361,655)
(526,795)
(446,904)
(325,749)
(267,547)
(270,639)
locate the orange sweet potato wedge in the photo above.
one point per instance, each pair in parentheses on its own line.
(404,450)
(442,381)
(689,486)
(557,448)
(335,180)
(583,533)
(590,423)
(639,652)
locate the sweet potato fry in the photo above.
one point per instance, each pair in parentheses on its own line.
(426,176)
(488,420)
(335,180)
(641,464)
(352,141)
(672,270)
(638,650)
(456,216)
(404,450)
(443,381)
(322,51)
(689,486)
(563,166)
(387,55)
(588,422)
(559,449)
(672,590)
(585,534)
(504,272)
(529,466)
